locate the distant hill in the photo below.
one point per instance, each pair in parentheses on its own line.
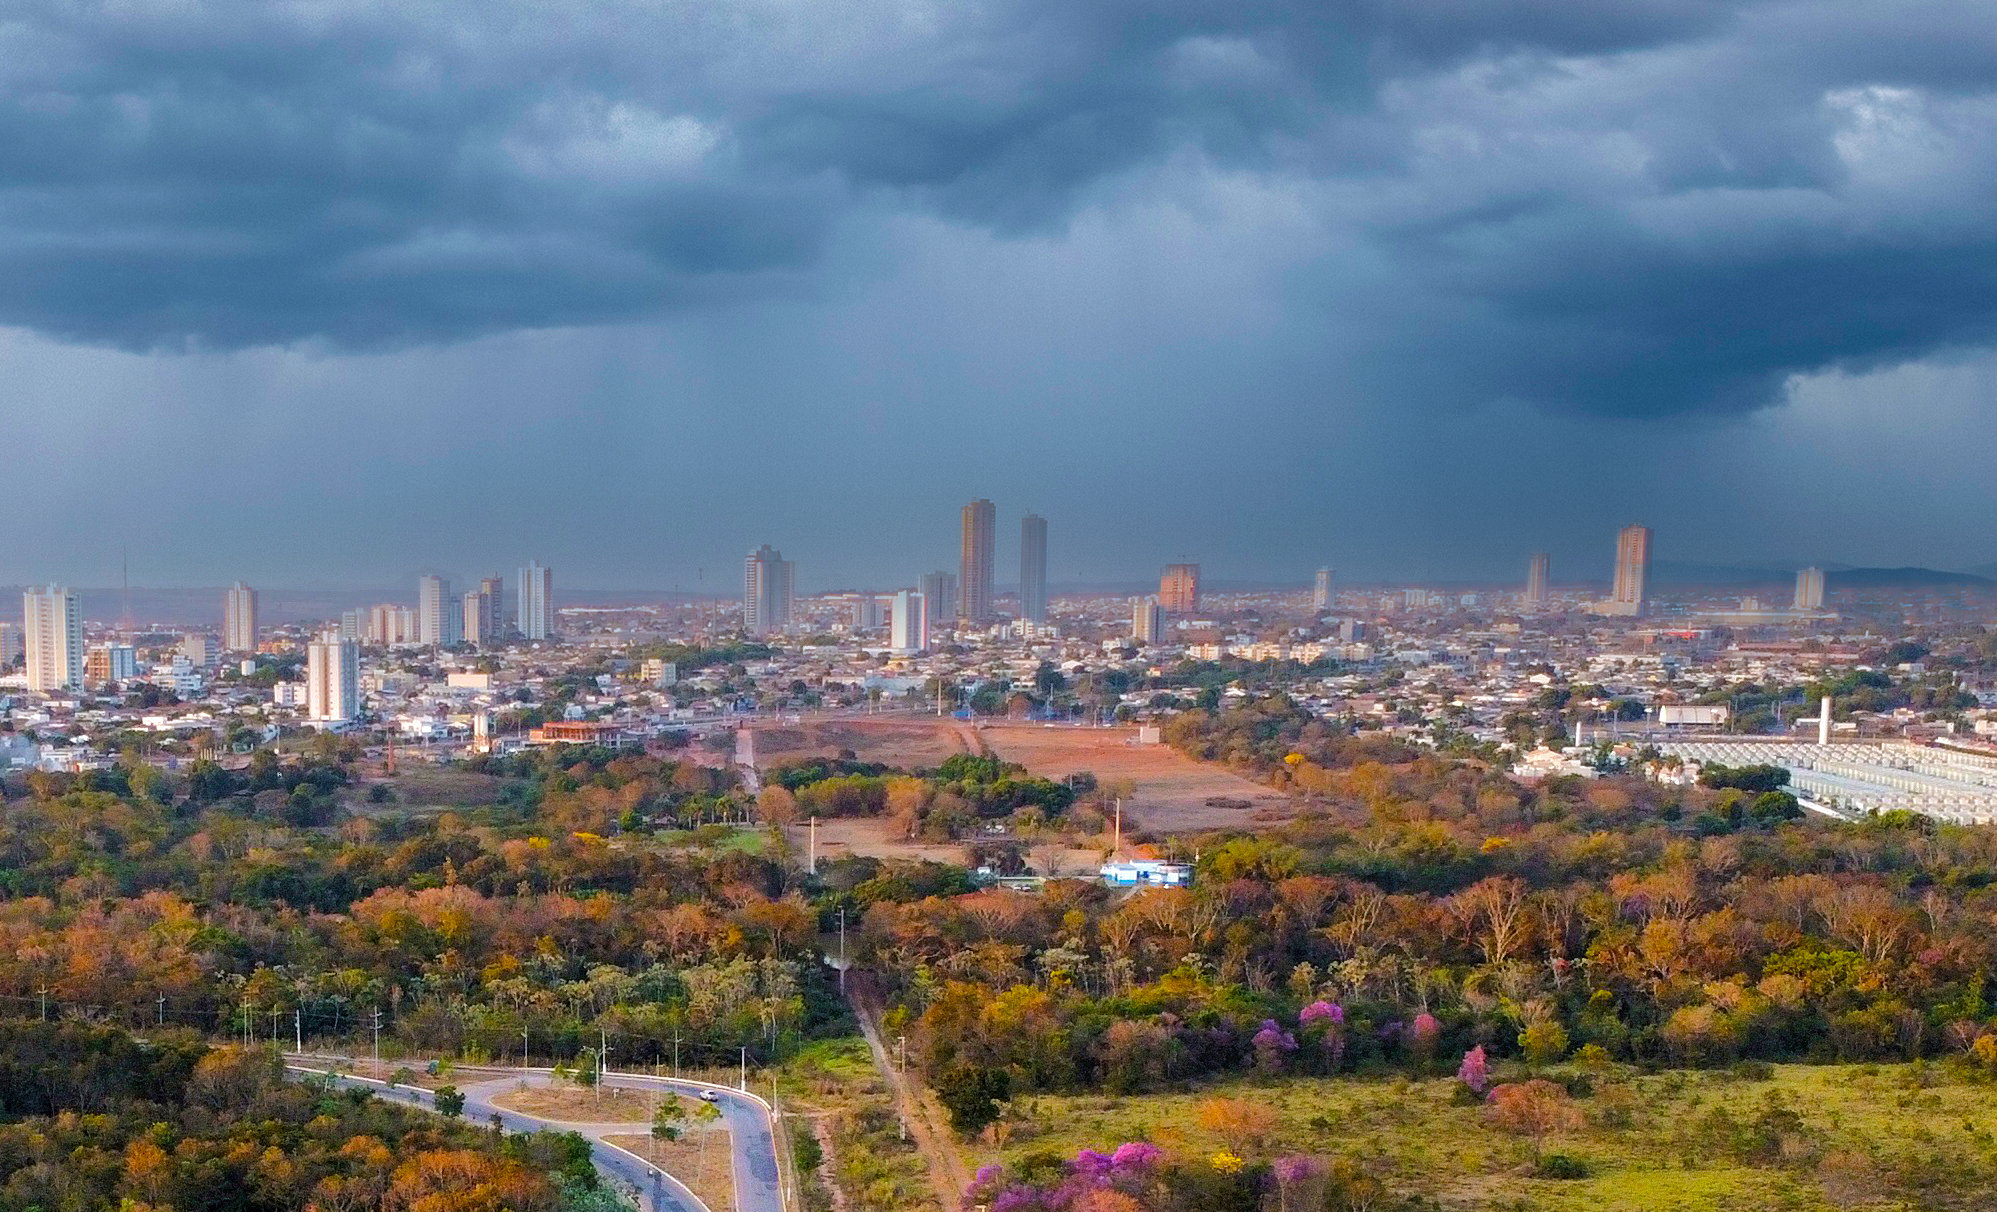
(1903,578)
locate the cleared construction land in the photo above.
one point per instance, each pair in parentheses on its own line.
(1169,792)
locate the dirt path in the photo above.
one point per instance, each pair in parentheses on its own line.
(947,1172)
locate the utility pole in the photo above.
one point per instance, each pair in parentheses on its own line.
(376,1011)
(811,865)
(162,1010)
(523,1045)
(842,950)
(676,1052)
(44,992)
(745,1067)
(298,1029)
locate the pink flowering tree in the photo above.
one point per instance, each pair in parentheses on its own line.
(1423,1035)
(1474,1072)
(1322,1024)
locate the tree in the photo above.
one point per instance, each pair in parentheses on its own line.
(668,1121)
(1535,1109)
(777,805)
(1544,1041)
(1241,1124)
(705,1116)
(449,1100)
(972,1094)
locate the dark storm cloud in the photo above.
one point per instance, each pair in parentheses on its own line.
(1639,208)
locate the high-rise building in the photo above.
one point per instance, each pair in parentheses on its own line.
(434,608)
(768,586)
(12,646)
(1033,568)
(354,625)
(332,679)
(1179,588)
(535,606)
(389,624)
(1810,589)
(908,622)
(939,591)
(494,589)
(478,619)
(1535,579)
(1321,591)
(974,602)
(239,619)
(1632,571)
(1147,621)
(53,626)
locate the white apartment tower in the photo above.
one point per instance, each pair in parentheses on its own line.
(53,630)
(768,584)
(1810,589)
(332,679)
(536,608)
(908,624)
(239,619)
(1321,589)
(437,618)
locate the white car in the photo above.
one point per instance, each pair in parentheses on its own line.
(710,1096)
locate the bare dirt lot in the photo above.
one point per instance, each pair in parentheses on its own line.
(1172,791)
(895,741)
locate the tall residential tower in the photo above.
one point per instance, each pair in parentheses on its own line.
(974,601)
(534,603)
(53,619)
(1810,589)
(768,583)
(1179,589)
(437,618)
(1632,572)
(239,619)
(1535,578)
(1033,568)
(939,595)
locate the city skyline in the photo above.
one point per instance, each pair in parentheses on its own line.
(1220,262)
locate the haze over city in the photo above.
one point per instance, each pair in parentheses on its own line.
(332,299)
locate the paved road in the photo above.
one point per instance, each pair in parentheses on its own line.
(757,1185)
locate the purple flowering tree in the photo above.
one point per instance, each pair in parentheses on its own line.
(1272,1044)
(1299,1182)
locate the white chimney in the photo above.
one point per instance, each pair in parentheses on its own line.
(1824,722)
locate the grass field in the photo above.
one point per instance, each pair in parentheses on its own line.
(833,1089)
(1805,1138)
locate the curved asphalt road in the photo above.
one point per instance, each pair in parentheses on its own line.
(757,1185)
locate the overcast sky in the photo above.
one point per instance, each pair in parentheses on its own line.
(323,293)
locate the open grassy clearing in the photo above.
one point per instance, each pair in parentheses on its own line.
(833,1092)
(1806,1138)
